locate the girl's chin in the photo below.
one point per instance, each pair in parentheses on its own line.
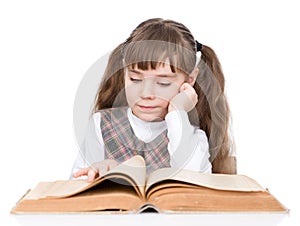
(149,117)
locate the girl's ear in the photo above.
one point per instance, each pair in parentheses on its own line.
(193,76)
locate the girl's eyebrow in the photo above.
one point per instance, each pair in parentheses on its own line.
(158,75)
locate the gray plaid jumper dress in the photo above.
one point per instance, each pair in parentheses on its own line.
(121,143)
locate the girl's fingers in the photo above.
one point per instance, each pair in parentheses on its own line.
(81,172)
(183,87)
(96,170)
(92,174)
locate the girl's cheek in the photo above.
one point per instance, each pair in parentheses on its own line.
(167,93)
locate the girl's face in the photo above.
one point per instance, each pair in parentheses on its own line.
(148,92)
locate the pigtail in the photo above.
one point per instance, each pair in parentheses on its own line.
(213,111)
(111,90)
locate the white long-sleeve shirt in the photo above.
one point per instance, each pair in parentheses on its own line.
(188,145)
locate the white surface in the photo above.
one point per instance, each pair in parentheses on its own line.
(47,47)
(153,219)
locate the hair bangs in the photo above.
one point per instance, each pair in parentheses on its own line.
(149,54)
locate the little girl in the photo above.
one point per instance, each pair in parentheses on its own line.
(157,100)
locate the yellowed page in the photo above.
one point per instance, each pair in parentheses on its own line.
(134,168)
(132,171)
(228,182)
(56,189)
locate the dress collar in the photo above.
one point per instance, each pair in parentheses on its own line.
(147,131)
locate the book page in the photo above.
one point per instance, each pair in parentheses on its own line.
(56,189)
(229,182)
(134,168)
(132,171)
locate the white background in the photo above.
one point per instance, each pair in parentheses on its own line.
(46,47)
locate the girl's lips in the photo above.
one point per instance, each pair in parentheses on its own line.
(146,107)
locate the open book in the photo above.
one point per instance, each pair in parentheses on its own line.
(126,188)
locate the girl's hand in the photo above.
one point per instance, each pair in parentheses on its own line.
(186,99)
(97,169)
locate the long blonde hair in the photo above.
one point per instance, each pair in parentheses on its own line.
(141,50)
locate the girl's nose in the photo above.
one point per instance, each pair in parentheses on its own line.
(147,91)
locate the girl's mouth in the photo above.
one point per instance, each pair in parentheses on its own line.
(145,107)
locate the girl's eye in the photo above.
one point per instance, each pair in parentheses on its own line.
(164,83)
(135,80)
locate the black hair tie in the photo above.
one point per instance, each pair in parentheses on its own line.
(198,46)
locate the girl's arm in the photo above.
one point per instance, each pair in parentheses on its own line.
(92,148)
(188,146)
